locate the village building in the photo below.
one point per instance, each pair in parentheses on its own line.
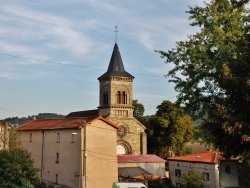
(73,152)
(207,163)
(86,149)
(141,168)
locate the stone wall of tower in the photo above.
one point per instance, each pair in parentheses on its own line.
(121,84)
(113,108)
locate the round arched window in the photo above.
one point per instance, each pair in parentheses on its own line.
(122,131)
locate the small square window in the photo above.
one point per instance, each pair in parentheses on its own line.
(58,138)
(57,157)
(30,137)
(178,172)
(205,176)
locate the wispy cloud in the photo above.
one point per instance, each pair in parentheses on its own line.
(49,31)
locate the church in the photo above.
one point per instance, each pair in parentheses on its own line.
(116,105)
(94,148)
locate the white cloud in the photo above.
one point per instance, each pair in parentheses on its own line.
(49,31)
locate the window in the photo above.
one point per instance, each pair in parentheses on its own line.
(122,131)
(178,172)
(124,98)
(30,137)
(121,97)
(73,138)
(121,150)
(58,138)
(205,176)
(118,97)
(57,157)
(56,178)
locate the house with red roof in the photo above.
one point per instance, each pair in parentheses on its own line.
(73,152)
(206,163)
(142,168)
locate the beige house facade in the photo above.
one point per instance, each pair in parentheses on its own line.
(73,152)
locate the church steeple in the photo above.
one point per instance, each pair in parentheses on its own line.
(116,88)
(116,67)
(116,104)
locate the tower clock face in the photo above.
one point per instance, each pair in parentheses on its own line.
(122,131)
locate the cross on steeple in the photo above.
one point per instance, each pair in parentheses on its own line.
(116,31)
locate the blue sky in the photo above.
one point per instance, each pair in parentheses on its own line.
(52,52)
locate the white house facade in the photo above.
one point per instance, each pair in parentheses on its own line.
(207,163)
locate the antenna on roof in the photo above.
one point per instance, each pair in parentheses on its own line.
(116,31)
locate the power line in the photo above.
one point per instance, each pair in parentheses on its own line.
(157,105)
(46,61)
(70,65)
(13,111)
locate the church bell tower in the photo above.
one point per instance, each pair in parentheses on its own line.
(116,104)
(116,89)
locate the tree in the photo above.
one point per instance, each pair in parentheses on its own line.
(211,73)
(192,179)
(138,109)
(170,128)
(16,169)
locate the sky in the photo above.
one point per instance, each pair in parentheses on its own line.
(52,52)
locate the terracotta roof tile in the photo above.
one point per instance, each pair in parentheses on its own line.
(62,123)
(150,158)
(205,157)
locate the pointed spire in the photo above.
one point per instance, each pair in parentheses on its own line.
(116,63)
(116,67)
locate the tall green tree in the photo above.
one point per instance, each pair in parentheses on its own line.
(16,169)
(139,111)
(211,73)
(169,129)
